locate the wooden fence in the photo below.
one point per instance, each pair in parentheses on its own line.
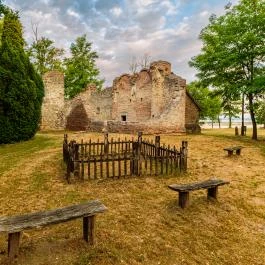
(122,158)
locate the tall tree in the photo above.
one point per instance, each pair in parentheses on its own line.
(260,106)
(43,54)
(209,102)
(21,88)
(80,68)
(230,103)
(233,52)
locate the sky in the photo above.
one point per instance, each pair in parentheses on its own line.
(122,29)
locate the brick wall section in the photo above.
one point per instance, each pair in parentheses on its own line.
(53,103)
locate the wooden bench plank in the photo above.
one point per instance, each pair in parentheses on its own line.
(198,185)
(231,149)
(211,185)
(12,224)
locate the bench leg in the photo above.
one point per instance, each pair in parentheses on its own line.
(238,152)
(212,193)
(183,199)
(13,245)
(89,229)
(230,153)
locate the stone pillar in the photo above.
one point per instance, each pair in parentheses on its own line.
(53,102)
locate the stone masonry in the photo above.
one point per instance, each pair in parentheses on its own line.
(154,100)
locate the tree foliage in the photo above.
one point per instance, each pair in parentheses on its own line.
(21,88)
(233,52)
(45,56)
(260,110)
(80,68)
(210,104)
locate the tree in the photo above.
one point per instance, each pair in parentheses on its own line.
(230,110)
(209,102)
(45,56)
(233,52)
(21,88)
(229,103)
(80,68)
(143,62)
(261,112)
(133,65)
(1,28)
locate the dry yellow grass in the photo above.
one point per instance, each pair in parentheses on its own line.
(143,224)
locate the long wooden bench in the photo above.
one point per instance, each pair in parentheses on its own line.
(230,150)
(14,225)
(183,189)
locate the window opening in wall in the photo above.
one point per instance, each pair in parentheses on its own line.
(141,99)
(130,100)
(98,110)
(153,116)
(123,117)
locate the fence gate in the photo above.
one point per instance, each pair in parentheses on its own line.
(122,158)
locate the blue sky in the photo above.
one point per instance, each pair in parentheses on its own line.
(123,29)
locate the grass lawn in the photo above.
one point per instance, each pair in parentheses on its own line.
(143,224)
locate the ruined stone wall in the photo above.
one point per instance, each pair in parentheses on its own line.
(159,70)
(154,101)
(192,112)
(53,103)
(90,105)
(131,97)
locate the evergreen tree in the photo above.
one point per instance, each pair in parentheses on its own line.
(80,68)
(21,88)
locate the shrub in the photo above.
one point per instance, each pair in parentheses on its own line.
(21,88)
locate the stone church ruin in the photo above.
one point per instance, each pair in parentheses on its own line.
(155,100)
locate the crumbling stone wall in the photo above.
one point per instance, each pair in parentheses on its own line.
(90,105)
(154,100)
(131,97)
(154,96)
(192,110)
(53,103)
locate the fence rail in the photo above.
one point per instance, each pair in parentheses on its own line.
(122,158)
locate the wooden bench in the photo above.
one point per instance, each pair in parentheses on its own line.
(211,185)
(231,150)
(14,225)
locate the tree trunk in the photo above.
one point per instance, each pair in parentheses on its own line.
(230,121)
(219,122)
(212,124)
(253,119)
(243,113)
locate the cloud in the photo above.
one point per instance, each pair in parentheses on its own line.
(120,29)
(116,11)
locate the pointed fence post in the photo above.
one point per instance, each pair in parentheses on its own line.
(138,153)
(106,143)
(185,155)
(157,152)
(76,157)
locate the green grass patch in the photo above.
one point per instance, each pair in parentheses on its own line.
(11,154)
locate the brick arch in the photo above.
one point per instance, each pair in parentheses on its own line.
(77,120)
